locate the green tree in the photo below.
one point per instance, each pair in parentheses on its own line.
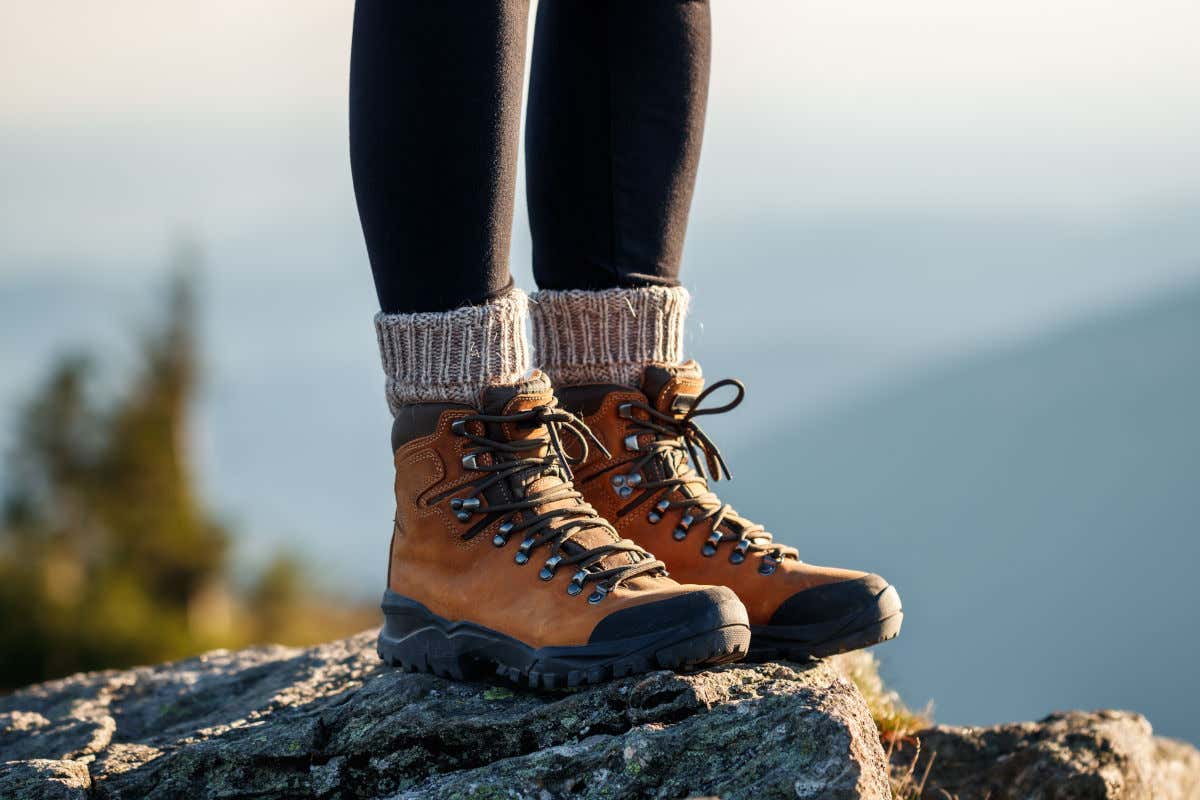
(107,557)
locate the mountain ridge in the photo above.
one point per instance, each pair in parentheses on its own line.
(1040,495)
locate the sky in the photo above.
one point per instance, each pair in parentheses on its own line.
(114,115)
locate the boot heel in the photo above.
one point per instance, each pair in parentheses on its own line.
(416,640)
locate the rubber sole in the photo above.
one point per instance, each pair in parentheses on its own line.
(417,640)
(869,625)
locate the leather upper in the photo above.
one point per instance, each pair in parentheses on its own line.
(762,594)
(472,579)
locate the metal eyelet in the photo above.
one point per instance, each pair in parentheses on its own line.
(631,442)
(502,534)
(683,403)
(625,411)
(548,570)
(459,427)
(681,532)
(522,556)
(739,552)
(624,492)
(471,461)
(576,584)
(618,480)
(768,565)
(710,546)
(660,508)
(598,594)
(633,479)
(463,507)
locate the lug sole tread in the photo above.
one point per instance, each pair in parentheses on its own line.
(720,646)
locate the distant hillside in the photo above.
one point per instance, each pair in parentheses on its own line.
(1043,498)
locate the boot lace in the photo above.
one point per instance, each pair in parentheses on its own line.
(519,463)
(675,440)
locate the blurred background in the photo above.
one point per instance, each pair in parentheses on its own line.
(963,245)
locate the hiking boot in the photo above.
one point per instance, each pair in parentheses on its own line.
(498,563)
(653,486)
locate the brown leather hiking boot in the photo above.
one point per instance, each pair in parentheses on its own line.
(496,561)
(652,486)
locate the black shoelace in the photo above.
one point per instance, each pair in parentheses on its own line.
(519,463)
(675,439)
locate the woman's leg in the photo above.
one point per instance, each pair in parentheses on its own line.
(614,137)
(494,560)
(435,106)
(615,122)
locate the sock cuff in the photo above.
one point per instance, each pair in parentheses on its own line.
(607,336)
(451,356)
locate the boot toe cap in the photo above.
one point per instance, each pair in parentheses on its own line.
(836,601)
(704,609)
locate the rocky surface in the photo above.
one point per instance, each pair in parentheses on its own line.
(1066,756)
(330,722)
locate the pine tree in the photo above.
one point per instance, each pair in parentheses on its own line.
(107,557)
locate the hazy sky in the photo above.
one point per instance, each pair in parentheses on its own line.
(923,62)
(137,116)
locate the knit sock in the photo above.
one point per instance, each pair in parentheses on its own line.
(607,336)
(451,356)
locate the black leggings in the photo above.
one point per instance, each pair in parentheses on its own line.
(613,131)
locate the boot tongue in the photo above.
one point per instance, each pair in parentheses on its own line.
(673,388)
(533,390)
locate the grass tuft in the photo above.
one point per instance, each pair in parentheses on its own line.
(896,722)
(892,716)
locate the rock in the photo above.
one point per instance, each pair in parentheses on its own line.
(45,779)
(1076,755)
(331,722)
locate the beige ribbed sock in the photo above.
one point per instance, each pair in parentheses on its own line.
(452,356)
(607,336)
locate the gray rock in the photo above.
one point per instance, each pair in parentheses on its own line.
(330,722)
(1076,755)
(42,779)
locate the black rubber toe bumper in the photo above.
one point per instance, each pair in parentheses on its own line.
(691,630)
(705,609)
(828,619)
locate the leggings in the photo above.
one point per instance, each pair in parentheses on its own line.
(617,96)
